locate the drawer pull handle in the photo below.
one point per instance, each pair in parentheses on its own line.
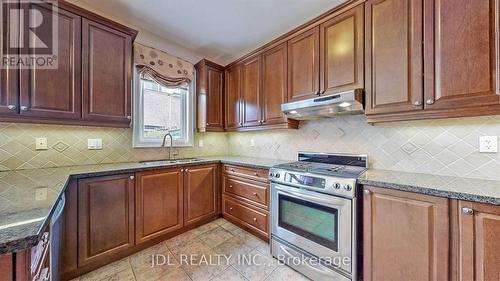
(256,174)
(230,186)
(131,177)
(255,194)
(255,219)
(230,208)
(468,211)
(231,170)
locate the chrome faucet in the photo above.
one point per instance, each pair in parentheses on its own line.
(171,143)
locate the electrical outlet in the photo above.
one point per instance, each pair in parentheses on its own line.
(40,193)
(41,143)
(94,144)
(252,143)
(201,143)
(488,144)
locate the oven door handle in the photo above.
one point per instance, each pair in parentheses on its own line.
(331,201)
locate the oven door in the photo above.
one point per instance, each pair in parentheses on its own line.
(317,223)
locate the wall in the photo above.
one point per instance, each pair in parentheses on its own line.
(444,147)
(68,146)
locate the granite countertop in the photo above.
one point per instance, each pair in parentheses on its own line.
(476,190)
(23,216)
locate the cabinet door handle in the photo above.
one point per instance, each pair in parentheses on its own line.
(468,211)
(182,170)
(132,177)
(230,186)
(129,117)
(11,107)
(255,219)
(24,108)
(429,101)
(256,174)
(255,194)
(366,192)
(417,103)
(230,208)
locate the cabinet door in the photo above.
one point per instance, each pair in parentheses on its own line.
(233,96)
(251,102)
(393,51)
(342,58)
(56,93)
(479,233)
(461,53)
(274,84)
(303,65)
(105,218)
(106,78)
(9,77)
(159,201)
(215,90)
(405,235)
(200,194)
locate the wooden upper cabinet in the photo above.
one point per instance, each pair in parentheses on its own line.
(200,193)
(462,53)
(251,101)
(393,53)
(479,243)
(405,235)
(9,77)
(159,199)
(106,78)
(105,218)
(342,58)
(55,93)
(233,97)
(303,65)
(210,96)
(274,84)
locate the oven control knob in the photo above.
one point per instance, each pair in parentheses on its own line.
(348,187)
(337,185)
(271,175)
(277,175)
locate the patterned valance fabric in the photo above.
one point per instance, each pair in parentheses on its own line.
(163,68)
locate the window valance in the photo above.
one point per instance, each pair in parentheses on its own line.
(161,67)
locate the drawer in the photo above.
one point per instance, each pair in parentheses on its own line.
(245,214)
(252,173)
(256,192)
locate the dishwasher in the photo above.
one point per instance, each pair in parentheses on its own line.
(56,226)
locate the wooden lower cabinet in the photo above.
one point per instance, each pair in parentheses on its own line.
(405,236)
(200,194)
(479,242)
(245,199)
(105,218)
(159,199)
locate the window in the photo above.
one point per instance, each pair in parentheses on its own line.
(159,110)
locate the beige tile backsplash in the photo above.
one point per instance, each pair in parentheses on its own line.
(444,147)
(67,146)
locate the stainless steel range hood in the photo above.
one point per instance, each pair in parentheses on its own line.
(349,102)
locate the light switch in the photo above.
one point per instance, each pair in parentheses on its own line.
(41,143)
(94,144)
(488,144)
(201,143)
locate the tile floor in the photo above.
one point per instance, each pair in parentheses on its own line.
(218,240)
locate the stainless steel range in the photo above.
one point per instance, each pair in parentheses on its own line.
(313,214)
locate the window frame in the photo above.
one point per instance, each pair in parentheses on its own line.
(138,123)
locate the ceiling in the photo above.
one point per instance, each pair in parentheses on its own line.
(221,30)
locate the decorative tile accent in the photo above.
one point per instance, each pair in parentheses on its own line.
(60,146)
(409,148)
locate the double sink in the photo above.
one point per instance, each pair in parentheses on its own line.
(173,161)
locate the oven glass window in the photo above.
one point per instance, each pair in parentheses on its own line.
(309,220)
